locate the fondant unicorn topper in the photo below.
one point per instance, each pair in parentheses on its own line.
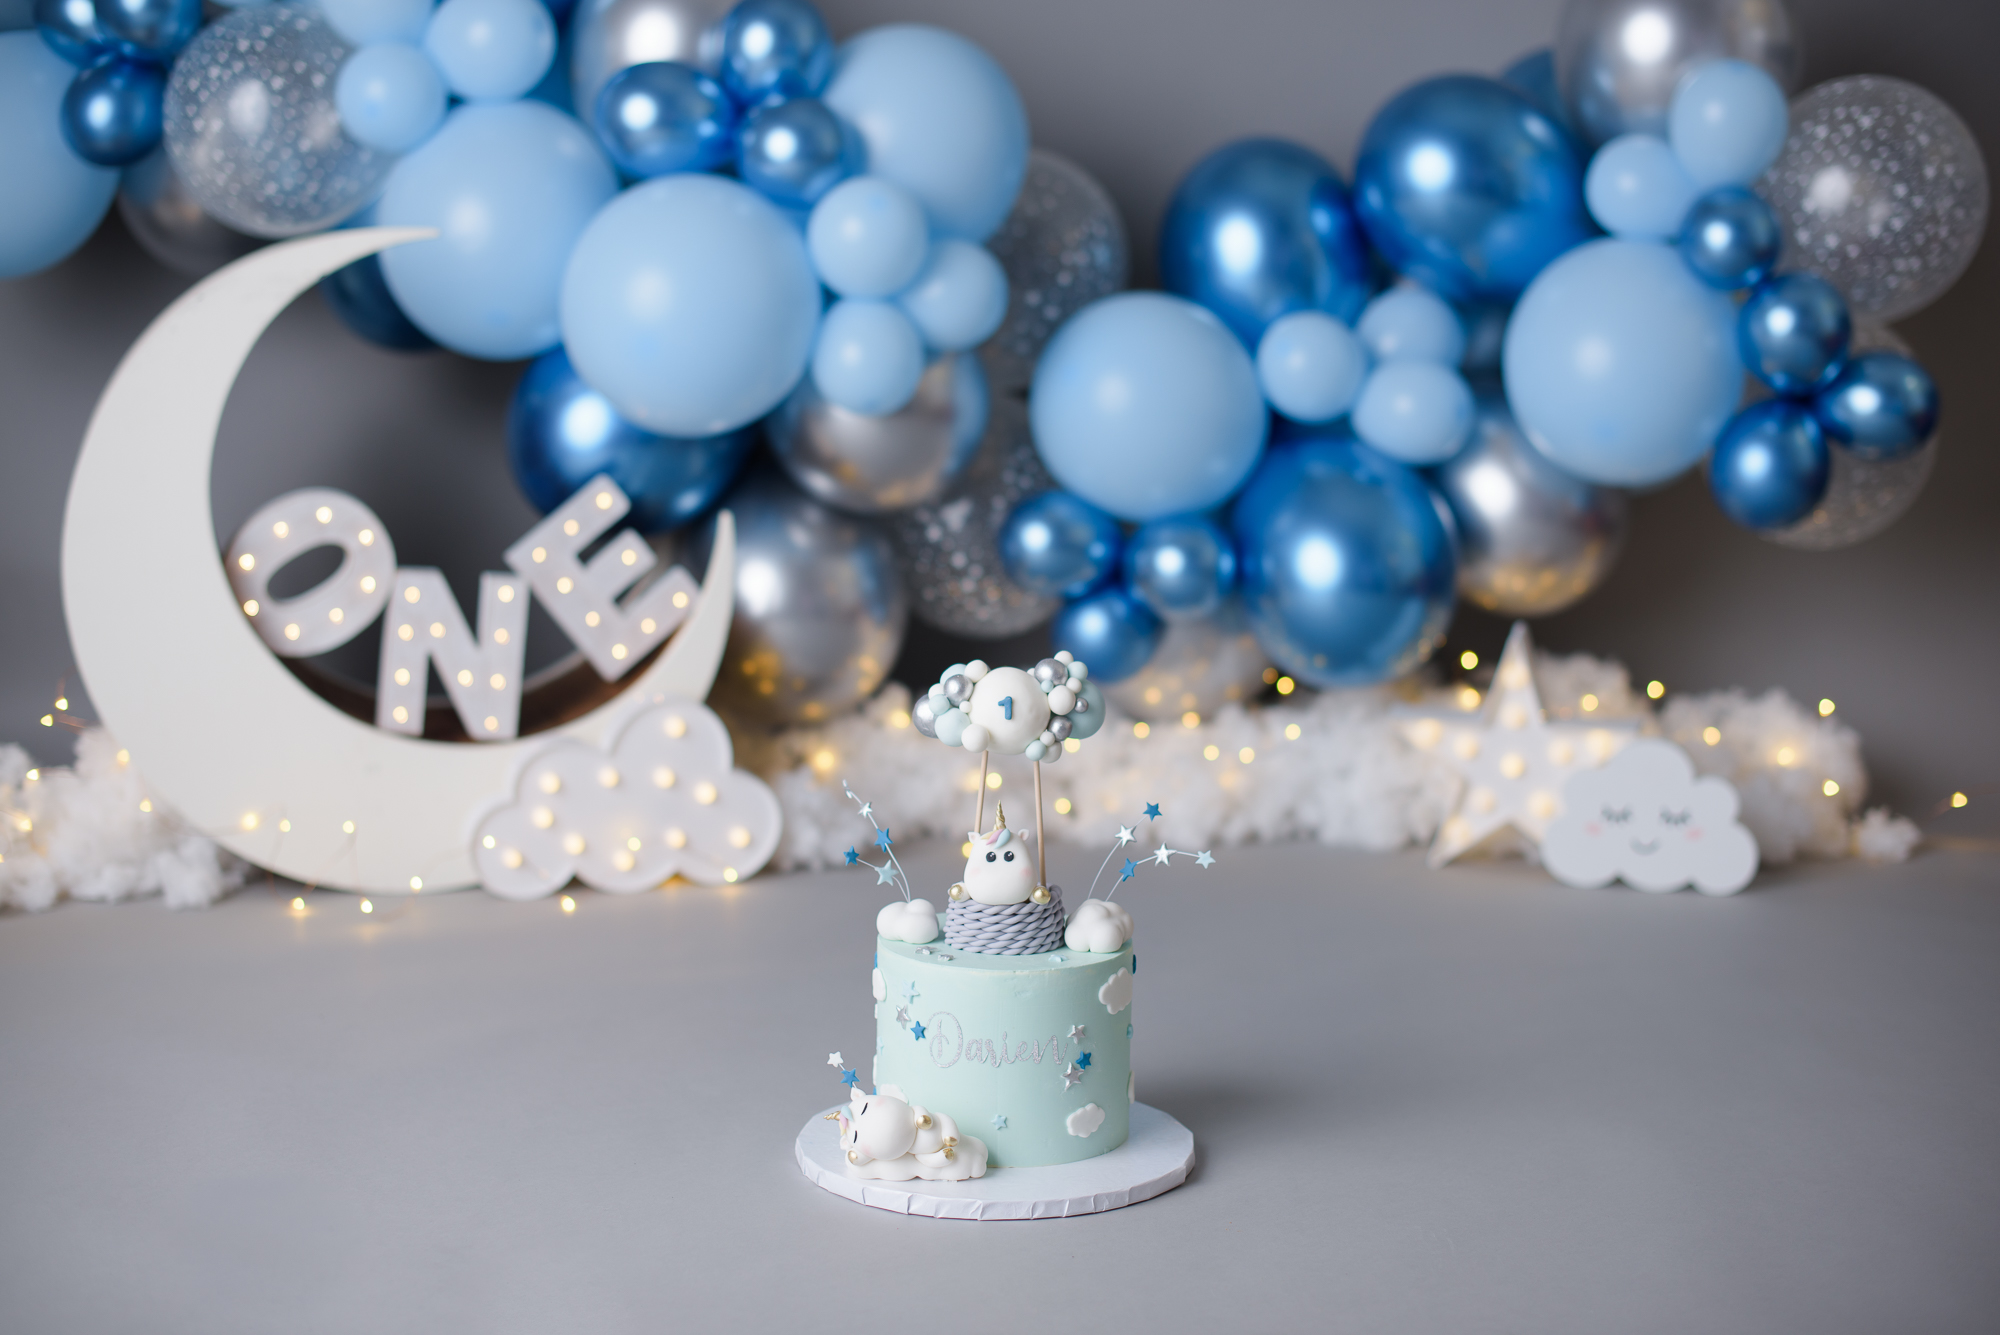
(998,871)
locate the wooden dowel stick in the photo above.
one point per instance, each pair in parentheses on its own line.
(1041,845)
(979,814)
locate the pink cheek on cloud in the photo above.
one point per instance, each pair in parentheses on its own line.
(1592,827)
(1694,833)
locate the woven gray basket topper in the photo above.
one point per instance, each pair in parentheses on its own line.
(1006,929)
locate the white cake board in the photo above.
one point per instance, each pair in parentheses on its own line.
(1155,1158)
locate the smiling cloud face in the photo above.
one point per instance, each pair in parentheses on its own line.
(1645,819)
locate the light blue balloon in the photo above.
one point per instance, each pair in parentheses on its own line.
(510,186)
(54,199)
(869,357)
(1637,188)
(492,50)
(390,96)
(1310,366)
(868,237)
(940,118)
(1414,412)
(1727,123)
(1411,324)
(691,305)
(1621,364)
(1147,405)
(960,298)
(366,21)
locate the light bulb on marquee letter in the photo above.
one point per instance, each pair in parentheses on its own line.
(336,609)
(482,677)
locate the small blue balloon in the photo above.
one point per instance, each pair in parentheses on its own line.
(960,298)
(1261,228)
(1793,333)
(1310,366)
(1882,406)
(360,296)
(1636,188)
(362,22)
(1347,567)
(1113,632)
(1465,185)
(794,152)
(1409,324)
(663,117)
(1770,465)
(1182,567)
(868,237)
(1727,123)
(390,96)
(153,30)
(1414,412)
(54,198)
(775,48)
(869,357)
(1731,239)
(1058,544)
(561,433)
(71,29)
(1089,715)
(492,50)
(112,113)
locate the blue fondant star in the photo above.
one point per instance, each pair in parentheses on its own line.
(1152,811)
(910,990)
(1083,1060)
(885,874)
(1131,870)
(847,1077)
(1128,1031)
(916,1029)
(1204,859)
(999,1121)
(852,857)
(1135,968)
(882,839)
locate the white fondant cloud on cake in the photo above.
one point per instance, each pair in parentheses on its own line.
(914,921)
(1085,1120)
(878,986)
(1098,927)
(1645,819)
(1116,994)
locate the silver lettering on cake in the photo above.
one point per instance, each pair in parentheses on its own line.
(938,1043)
(984,1051)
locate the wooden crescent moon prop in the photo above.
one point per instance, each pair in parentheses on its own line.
(222,731)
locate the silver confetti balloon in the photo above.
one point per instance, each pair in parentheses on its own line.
(606,36)
(949,548)
(1618,61)
(1063,247)
(1881,191)
(169,223)
(1201,665)
(872,465)
(1531,538)
(252,128)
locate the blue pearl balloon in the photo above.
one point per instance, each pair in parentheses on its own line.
(1408,324)
(1464,184)
(868,237)
(1727,122)
(1347,567)
(960,297)
(663,117)
(492,50)
(1182,567)
(775,48)
(1414,412)
(561,433)
(794,152)
(1056,544)
(1770,465)
(390,96)
(1310,366)
(113,112)
(54,198)
(1793,333)
(1731,239)
(360,296)
(869,357)
(71,29)
(1636,188)
(1882,406)
(1113,632)
(1261,228)
(153,30)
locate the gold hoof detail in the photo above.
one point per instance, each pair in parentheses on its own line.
(924,1121)
(1040,895)
(853,1157)
(958,891)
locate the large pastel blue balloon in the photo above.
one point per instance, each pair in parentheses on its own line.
(1727,122)
(364,21)
(1620,364)
(869,357)
(1882,406)
(71,29)
(1261,228)
(1310,366)
(113,113)
(1793,333)
(390,96)
(1056,544)
(691,305)
(775,49)
(1181,567)
(54,199)
(940,119)
(794,152)
(663,116)
(960,297)
(1414,412)
(1114,633)
(1347,568)
(1770,465)
(1635,188)
(1464,184)
(1147,405)
(492,50)
(561,433)
(152,30)
(1731,238)
(1409,324)
(868,237)
(510,186)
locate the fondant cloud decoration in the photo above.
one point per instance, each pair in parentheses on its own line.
(1084,1120)
(1098,926)
(911,920)
(665,799)
(890,1140)
(1644,818)
(1116,994)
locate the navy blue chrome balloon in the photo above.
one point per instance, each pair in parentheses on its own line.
(1770,465)
(1731,239)
(1347,565)
(1534,77)
(775,48)
(1466,185)
(794,152)
(114,111)
(663,117)
(1110,630)
(360,296)
(1262,228)
(71,29)
(1182,567)
(561,433)
(1793,333)
(149,29)
(1882,406)
(1059,544)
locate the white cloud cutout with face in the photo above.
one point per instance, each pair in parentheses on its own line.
(1644,818)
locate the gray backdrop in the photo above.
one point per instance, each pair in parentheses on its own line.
(1898,630)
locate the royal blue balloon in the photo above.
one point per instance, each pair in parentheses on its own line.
(1770,465)
(1181,567)
(1310,366)
(794,152)
(492,50)
(1464,184)
(1882,406)
(1636,188)
(1114,633)
(1147,405)
(1347,568)
(1409,324)
(1261,228)
(1414,412)
(1793,333)
(868,237)
(1534,76)
(112,113)
(561,433)
(54,198)
(1731,239)
(1727,123)
(960,297)
(149,29)
(360,296)
(71,29)
(775,48)
(663,117)
(390,96)
(869,357)
(1060,545)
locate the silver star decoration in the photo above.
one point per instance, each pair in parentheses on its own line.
(1125,835)
(1163,855)
(1073,1075)
(867,810)
(1204,859)
(903,1017)
(833,1058)
(925,950)
(1075,1036)
(945,958)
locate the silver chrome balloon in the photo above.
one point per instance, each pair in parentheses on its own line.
(957,688)
(609,35)
(1531,538)
(872,465)
(1063,247)
(168,222)
(1201,665)
(1618,61)
(923,716)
